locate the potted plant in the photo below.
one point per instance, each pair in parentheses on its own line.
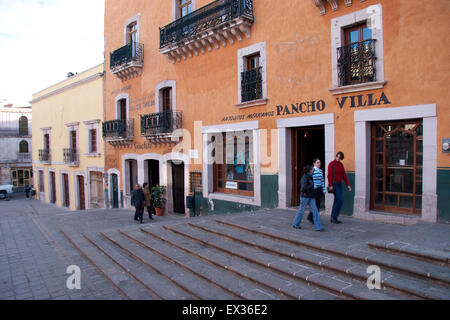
(158,199)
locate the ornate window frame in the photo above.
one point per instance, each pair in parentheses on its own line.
(374,17)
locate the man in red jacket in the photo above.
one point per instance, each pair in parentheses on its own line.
(336,173)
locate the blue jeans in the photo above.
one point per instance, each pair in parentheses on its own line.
(338,201)
(299,216)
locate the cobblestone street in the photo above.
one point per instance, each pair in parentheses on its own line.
(232,256)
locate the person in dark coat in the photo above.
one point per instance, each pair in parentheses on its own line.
(138,201)
(27,191)
(307,197)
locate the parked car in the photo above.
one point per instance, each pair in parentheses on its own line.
(5,189)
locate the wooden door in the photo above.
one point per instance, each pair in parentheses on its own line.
(96,195)
(115,191)
(82,204)
(397,166)
(53,187)
(178,187)
(66,190)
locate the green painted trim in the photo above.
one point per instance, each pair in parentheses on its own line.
(348,197)
(443,193)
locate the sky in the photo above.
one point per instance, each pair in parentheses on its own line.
(42,40)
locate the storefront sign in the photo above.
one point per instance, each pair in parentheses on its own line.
(362,100)
(231,185)
(144,102)
(301,107)
(121,90)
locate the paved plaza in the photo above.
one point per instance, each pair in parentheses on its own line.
(252,255)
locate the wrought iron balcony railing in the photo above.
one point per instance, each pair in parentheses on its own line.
(356,63)
(207,17)
(227,19)
(160,123)
(131,52)
(44,155)
(251,85)
(71,156)
(23,156)
(118,129)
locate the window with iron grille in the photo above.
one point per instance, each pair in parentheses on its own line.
(356,59)
(251,79)
(195,181)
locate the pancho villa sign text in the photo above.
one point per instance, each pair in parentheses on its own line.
(355,101)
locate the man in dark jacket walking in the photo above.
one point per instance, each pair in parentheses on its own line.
(138,201)
(307,198)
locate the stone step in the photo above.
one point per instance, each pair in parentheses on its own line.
(247,276)
(90,275)
(157,285)
(400,264)
(309,276)
(424,254)
(123,283)
(353,269)
(180,275)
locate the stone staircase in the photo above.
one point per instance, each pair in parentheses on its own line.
(235,260)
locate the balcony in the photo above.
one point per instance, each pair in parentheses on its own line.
(23,157)
(158,128)
(218,23)
(44,156)
(118,132)
(127,62)
(251,85)
(71,157)
(356,63)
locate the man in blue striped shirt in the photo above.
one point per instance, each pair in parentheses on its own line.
(319,186)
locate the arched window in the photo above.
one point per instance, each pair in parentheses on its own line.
(23,146)
(23,126)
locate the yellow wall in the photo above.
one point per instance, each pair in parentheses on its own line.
(74,103)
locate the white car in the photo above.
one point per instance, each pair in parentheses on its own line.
(5,189)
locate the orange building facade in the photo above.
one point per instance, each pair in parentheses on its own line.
(227,100)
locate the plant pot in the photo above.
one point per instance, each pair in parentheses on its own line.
(159,212)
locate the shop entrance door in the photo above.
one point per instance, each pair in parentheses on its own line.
(307,143)
(96,190)
(397,164)
(178,187)
(52,187)
(115,191)
(82,203)
(66,190)
(153,173)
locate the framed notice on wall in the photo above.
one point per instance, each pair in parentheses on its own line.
(231,185)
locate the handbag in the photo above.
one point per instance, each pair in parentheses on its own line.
(331,189)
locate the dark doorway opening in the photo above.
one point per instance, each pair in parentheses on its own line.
(153,173)
(52,187)
(178,187)
(307,143)
(82,203)
(115,191)
(66,190)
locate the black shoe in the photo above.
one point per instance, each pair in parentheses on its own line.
(310,219)
(150,218)
(295,227)
(335,221)
(321,230)
(142,221)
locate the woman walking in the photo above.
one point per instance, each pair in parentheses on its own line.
(307,198)
(319,186)
(148,199)
(336,173)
